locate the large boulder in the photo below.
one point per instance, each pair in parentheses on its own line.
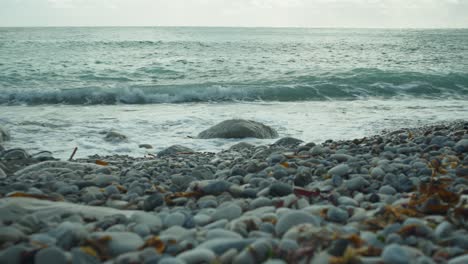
(4,135)
(239,128)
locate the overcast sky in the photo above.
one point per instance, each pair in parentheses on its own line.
(253,13)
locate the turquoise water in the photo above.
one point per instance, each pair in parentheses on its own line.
(176,65)
(62,88)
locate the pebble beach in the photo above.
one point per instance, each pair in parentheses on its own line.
(393,198)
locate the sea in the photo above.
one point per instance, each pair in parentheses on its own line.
(62,88)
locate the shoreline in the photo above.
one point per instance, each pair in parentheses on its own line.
(396,197)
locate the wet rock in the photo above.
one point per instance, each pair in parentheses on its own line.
(153,201)
(339,170)
(227,211)
(280,189)
(174,149)
(221,245)
(113,136)
(239,128)
(356,183)
(50,255)
(4,135)
(397,254)
(288,142)
(462,146)
(293,218)
(80,257)
(197,255)
(463,259)
(120,242)
(10,234)
(336,214)
(145,146)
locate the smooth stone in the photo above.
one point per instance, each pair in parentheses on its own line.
(377,172)
(463,259)
(50,255)
(339,170)
(228,211)
(275,261)
(461,146)
(145,146)
(238,128)
(4,135)
(174,150)
(257,252)
(121,242)
(356,183)
(395,254)
(336,214)
(201,219)
(68,234)
(221,245)
(261,202)
(2,174)
(341,157)
(443,230)
(174,219)
(280,189)
(345,200)
(288,142)
(153,201)
(114,136)
(152,221)
(387,190)
(221,233)
(202,173)
(171,260)
(10,234)
(216,187)
(316,150)
(13,254)
(42,238)
(197,255)
(80,257)
(293,218)
(102,180)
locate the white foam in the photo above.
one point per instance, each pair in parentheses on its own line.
(162,125)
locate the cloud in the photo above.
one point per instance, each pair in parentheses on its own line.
(301,13)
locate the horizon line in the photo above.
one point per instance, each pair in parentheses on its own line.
(247,27)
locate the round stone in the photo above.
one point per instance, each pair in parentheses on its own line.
(336,214)
(50,255)
(280,189)
(294,218)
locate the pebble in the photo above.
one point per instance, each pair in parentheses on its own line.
(197,255)
(50,255)
(463,259)
(377,172)
(120,242)
(221,245)
(387,189)
(356,183)
(293,218)
(10,234)
(395,254)
(174,219)
(280,189)
(339,170)
(336,214)
(221,233)
(227,211)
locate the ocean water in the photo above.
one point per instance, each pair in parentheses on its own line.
(62,88)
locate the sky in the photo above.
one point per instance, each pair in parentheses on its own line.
(237,13)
